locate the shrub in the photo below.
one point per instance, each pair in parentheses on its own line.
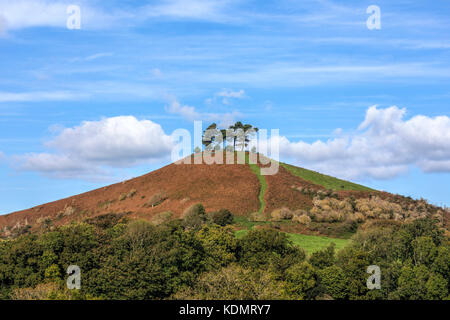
(162,217)
(221,217)
(257,217)
(234,283)
(323,258)
(303,219)
(358,217)
(220,245)
(42,291)
(261,247)
(122,196)
(437,287)
(52,273)
(281,214)
(156,199)
(195,216)
(132,193)
(333,279)
(68,211)
(301,279)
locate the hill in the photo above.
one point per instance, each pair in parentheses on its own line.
(174,188)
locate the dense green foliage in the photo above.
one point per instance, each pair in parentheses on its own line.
(204,260)
(308,243)
(221,217)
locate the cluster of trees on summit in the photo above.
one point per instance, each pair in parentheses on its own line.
(236,137)
(199,257)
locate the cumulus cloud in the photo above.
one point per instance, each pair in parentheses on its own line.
(95,147)
(384,146)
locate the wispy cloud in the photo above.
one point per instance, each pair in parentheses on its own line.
(425,43)
(189,113)
(19,14)
(226,95)
(294,75)
(40,96)
(211,10)
(93,57)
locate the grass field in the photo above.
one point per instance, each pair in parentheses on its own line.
(315,243)
(324,180)
(307,242)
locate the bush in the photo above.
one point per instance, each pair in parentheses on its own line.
(323,258)
(220,245)
(234,283)
(333,279)
(281,214)
(301,279)
(42,291)
(221,217)
(195,216)
(156,199)
(162,217)
(132,193)
(303,219)
(122,196)
(260,247)
(257,217)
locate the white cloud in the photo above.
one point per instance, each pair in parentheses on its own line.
(39,96)
(294,75)
(61,166)
(95,147)
(24,13)
(93,57)
(190,114)
(185,111)
(230,94)
(189,9)
(384,146)
(19,14)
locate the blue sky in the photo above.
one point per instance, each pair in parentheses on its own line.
(82,108)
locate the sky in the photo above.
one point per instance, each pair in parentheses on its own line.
(89,104)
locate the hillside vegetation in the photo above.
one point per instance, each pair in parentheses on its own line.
(199,257)
(308,243)
(323,180)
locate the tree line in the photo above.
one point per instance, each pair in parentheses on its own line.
(199,257)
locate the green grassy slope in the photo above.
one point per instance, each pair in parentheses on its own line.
(262,181)
(315,243)
(307,242)
(324,180)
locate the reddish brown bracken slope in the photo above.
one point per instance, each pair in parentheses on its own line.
(234,187)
